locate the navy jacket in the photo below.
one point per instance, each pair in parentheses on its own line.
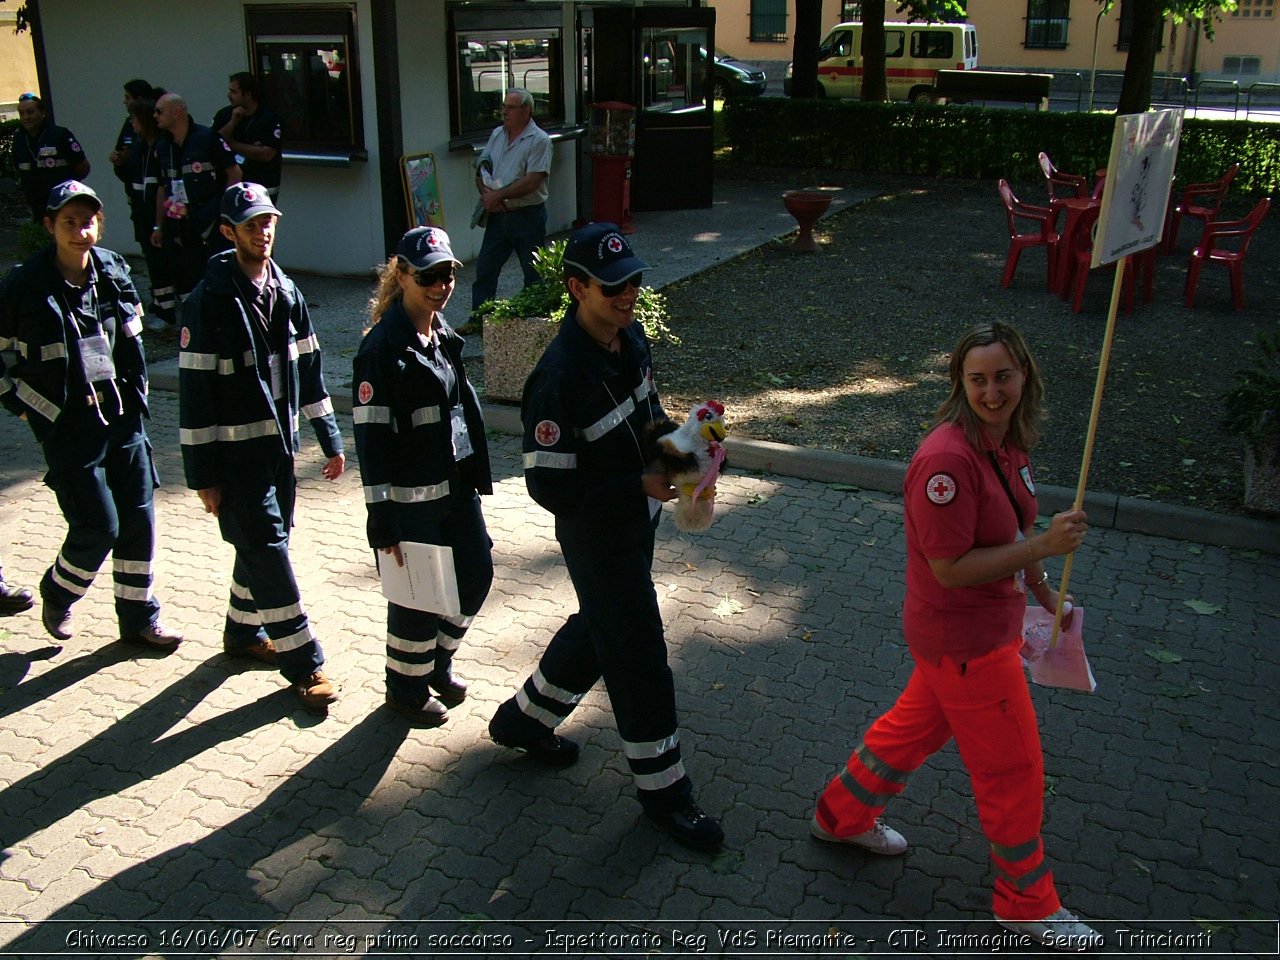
(226,409)
(583,415)
(45,379)
(404,436)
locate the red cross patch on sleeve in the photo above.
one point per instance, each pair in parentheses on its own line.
(547,433)
(184,338)
(365,391)
(940,488)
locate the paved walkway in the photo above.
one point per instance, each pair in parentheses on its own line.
(190,803)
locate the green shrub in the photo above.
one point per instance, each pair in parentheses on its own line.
(967,142)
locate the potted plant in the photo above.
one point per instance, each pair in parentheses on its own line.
(517,329)
(1253,414)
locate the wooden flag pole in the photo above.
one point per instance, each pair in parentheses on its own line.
(1103,362)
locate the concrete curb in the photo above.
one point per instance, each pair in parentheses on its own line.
(1106,510)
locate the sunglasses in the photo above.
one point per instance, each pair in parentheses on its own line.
(615,289)
(23,97)
(429,278)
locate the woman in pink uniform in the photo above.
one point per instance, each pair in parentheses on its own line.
(972,552)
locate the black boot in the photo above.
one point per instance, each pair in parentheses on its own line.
(15,598)
(448,688)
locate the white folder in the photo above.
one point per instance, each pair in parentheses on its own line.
(426,581)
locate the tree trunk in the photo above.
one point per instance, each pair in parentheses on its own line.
(1135,95)
(804,51)
(875,85)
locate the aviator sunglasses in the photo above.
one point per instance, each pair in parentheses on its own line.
(615,289)
(429,278)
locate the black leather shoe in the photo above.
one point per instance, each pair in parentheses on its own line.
(430,714)
(447,687)
(154,635)
(544,747)
(15,598)
(57,621)
(689,825)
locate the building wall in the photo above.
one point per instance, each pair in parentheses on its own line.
(1001,34)
(17,64)
(332,219)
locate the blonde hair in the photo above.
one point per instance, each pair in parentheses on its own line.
(387,292)
(1024,427)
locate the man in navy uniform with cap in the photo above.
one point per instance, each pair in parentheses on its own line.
(248,369)
(584,408)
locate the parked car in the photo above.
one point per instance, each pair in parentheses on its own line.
(733,78)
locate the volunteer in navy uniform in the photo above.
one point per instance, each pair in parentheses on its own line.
(584,407)
(196,166)
(134,90)
(253,132)
(44,154)
(424,461)
(13,598)
(972,552)
(248,368)
(142,174)
(80,381)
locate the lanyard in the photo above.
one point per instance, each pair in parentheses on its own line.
(1004,482)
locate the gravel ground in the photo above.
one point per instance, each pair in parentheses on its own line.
(846,349)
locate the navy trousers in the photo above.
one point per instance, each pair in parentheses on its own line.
(255,518)
(104,481)
(520,231)
(419,641)
(617,635)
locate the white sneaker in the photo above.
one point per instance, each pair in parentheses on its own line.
(154,323)
(1060,930)
(880,839)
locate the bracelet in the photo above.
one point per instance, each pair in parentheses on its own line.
(1044,578)
(156,227)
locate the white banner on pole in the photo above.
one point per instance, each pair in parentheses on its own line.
(1135,197)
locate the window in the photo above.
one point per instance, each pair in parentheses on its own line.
(1241,66)
(895,43)
(1254,8)
(489,58)
(675,69)
(840,45)
(1125,35)
(305,59)
(768,21)
(851,11)
(1047,22)
(933,44)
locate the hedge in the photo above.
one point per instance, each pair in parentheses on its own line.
(969,142)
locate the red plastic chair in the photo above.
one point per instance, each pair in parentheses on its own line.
(1199,200)
(1074,184)
(1209,252)
(1082,254)
(1043,235)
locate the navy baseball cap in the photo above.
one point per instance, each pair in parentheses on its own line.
(70,190)
(601,252)
(244,201)
(424,247)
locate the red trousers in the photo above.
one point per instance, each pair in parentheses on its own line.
(985,704)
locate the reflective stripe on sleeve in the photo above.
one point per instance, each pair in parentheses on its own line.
(190,360)
(133,326)
(53,351)
(46,408)
(307,345)
(555,461)
(425,415)
(371,415)
(320,408)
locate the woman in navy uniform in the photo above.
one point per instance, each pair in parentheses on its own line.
(424,461)
(45,155)
(80,381)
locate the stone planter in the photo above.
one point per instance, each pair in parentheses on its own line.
(511,348)
(1261,481)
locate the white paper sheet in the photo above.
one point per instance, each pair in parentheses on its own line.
(426,581)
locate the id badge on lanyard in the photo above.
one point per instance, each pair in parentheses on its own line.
(178,192)
(95,358)
(461,436)
(276,369)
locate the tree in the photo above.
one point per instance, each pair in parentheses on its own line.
(804,51)
(1144,39)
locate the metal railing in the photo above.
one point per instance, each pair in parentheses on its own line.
(1263,98)
(1217,95)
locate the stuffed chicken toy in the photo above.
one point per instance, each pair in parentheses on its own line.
(692,455)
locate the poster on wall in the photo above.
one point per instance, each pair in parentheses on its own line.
(422,190)
(1135,197)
